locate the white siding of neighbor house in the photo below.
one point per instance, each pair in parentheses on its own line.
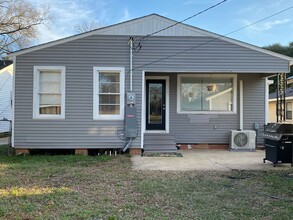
(79,130)
(5,97)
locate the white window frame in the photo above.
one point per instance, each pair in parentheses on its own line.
(233,76)
(96,71)
(289,103)
(36,100)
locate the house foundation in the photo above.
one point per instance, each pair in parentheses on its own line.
(135,151)
(19,151)
(81,152)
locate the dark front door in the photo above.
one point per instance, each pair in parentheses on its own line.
(155,104)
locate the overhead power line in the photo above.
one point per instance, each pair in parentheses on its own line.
(220,36)
(279,12)
(139,44)
(179,22)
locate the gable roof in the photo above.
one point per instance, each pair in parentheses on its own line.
(146,25)
(288,94)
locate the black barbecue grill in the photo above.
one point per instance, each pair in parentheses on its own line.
(278,140)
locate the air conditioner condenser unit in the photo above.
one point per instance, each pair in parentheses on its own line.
(242,140)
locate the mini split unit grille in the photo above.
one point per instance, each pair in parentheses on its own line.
(242,140)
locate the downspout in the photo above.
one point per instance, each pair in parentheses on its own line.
(241,105)
(130,42)
(128,140)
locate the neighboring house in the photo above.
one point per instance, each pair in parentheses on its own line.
(6,71)
(191,87)
(288,106)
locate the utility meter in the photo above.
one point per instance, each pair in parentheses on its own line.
(130,98)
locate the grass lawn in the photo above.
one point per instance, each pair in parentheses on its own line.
(104,187)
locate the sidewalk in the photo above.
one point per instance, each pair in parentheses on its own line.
(207,160)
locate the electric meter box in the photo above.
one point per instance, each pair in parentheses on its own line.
(130,98)
(130,122)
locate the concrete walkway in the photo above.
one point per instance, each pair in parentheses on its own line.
(220,160)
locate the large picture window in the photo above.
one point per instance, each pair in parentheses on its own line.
(49,92)
(108,93)
(208,93)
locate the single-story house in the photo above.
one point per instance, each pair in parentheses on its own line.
(135,85)
(288,106)
(6,75)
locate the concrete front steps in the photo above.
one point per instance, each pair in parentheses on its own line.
(159,143)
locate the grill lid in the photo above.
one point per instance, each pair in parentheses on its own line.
(278,128)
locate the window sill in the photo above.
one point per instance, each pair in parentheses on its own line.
(49,117)
(207,113)
(111,118)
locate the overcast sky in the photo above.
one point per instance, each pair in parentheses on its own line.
(223,19)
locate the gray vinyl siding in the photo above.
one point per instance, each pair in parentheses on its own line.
(79,130)
(214,128)
(147,25)
(205,54)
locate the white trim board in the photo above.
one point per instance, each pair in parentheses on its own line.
(13,104)
(142,121)
(286,98)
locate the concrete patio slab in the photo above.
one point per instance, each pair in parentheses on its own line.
(201,159)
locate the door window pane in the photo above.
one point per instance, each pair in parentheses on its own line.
(155,103)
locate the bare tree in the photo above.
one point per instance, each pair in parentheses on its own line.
(18,24)
(88,26)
